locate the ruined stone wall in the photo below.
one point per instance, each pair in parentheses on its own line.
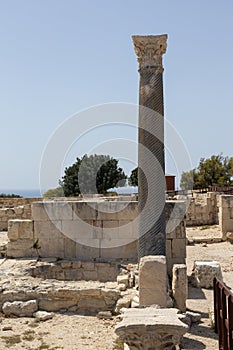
(92,231)
(6,214)
(175,234)
(16,202)
(226,214)
(67,270)
(87,230)
(203,209)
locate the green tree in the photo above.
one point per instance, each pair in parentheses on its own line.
(214,171)
(92,174)
(54,192)
(133,179)
(187,180)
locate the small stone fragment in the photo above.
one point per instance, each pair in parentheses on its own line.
(135,301)
(104,315)
(230,236)
(43,315)
(136,279)
(121,287)
(124,302)
(7,328)
(123,279)
(20,308)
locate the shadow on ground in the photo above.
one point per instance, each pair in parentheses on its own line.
(195,293)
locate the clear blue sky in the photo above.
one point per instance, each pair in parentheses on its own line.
(59,57)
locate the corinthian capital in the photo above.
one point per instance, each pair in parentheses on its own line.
(149,49)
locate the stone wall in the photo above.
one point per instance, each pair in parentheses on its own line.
(100,231)
(16,202)
(226,214)
(92,231)
(175,234)
(203,209)
(6,214)
(77,271)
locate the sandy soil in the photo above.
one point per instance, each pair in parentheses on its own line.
(74,332)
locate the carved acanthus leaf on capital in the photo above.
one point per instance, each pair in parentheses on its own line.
(149,50)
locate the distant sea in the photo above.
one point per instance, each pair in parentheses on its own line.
(23,193)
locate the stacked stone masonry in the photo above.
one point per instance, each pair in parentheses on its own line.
(68,270)
(203,209)
(92,231)
(18,212)
(81,296)
(226,215)
(17,202)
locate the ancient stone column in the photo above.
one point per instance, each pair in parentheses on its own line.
(151,174)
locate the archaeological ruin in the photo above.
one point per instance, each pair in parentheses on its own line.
(102,254)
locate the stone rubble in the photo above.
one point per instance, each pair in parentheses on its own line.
(18,288)
(203,273)
(43,315)
(20,308)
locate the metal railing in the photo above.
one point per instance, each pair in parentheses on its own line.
(223,315)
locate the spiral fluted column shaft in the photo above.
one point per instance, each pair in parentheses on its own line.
(151,174)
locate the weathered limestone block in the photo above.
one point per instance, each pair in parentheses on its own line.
(92,303)
(20,229)
(153,280)
(90,275)
(124,302)
(117,210)
(123,279)
(84,211)
(19,210)
(20,249)
(51,304)
(43,315)
(180,286)
(230,236)
(20,308)
(52,211)
(151,329)
(204,272)
(225,216)
(179,248)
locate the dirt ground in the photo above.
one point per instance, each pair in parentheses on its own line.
(75,332)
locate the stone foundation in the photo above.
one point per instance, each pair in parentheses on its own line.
(203,209)
(94,231)
(226,215)
(83,297)
(77,271)
(17,202)
(6,214)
